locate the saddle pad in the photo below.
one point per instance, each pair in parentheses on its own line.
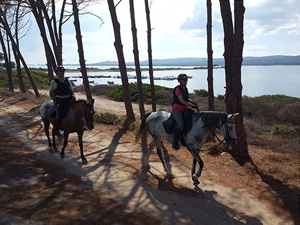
(170,124)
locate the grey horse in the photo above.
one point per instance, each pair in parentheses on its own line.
(202,124)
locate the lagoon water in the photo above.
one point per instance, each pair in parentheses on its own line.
(256,80)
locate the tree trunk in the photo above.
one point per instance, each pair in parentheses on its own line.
(233,55)
(150,56)
(122,65)
(15,48)
(17,58)
(7,64)
(137,60)
(211,104)
(85,79)
(51,32)
(51,62)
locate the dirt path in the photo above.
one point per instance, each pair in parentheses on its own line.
(41,188)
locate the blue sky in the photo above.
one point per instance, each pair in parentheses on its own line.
(179,30)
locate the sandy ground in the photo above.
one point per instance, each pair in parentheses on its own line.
(115,173)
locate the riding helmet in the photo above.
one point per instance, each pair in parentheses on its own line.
(60,68)
(182,76)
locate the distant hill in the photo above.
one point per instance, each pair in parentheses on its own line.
(247,61)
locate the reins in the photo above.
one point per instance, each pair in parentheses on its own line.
(220,142)
(226,131)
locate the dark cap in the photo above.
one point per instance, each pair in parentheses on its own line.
(60,68)
(182,76)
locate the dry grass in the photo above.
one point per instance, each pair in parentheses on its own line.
(272,175)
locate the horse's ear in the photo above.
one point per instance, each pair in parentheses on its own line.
(91,102)
(233,115)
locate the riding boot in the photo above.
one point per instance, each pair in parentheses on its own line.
(175,144)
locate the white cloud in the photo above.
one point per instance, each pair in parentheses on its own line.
(179,30)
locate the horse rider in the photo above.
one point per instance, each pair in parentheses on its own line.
(62,94)
(181,102)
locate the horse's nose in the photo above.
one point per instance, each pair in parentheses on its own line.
(231,141)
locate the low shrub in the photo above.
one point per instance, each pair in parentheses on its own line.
(164,97)
(40,78)
(201,92)
(220,97)
(277,99)
(117,93)
(106,118)
(273,109)
(283,129)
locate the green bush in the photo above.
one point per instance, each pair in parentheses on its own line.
(164,97)
(277,99)
(117,93)
(201,92)
(220,97)
(106,118)
(283,129)
(40,78)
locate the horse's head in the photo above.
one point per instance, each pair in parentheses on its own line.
(88,114)
(228,129)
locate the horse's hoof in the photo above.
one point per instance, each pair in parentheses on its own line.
(170,176)
(62,155)
(55,150)
(84,161)
(50,150)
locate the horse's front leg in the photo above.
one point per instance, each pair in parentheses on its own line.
(198,159)
(80,134)
(46,130)
(194,166)
(66,137)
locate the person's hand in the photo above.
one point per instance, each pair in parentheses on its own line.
(195,106)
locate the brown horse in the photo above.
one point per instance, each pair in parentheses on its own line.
(80,113)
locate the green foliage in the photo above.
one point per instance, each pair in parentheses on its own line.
(201,92)
(283,129)
(220,97)
(40,78)
(277,99)
(106,118)
(117,93)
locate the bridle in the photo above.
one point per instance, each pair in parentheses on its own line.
(226,133)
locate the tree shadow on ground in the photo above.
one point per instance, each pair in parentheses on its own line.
(177,203)
(288,195)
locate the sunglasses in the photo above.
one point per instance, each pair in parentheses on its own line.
(184,79)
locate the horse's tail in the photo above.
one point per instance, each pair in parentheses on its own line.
(142,129)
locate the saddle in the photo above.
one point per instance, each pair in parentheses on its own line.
(170,124)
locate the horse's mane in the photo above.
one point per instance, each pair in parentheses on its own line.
(79,100)
(212,119)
